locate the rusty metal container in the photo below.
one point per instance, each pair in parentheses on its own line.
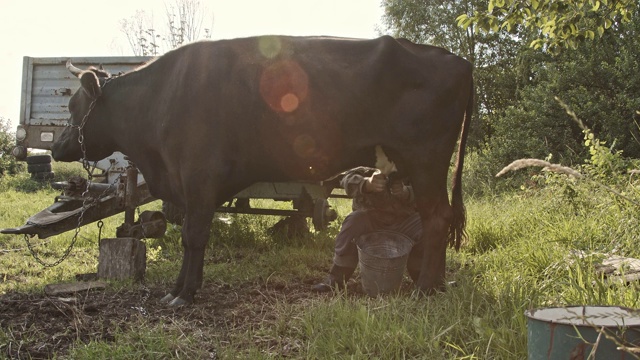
(583,332)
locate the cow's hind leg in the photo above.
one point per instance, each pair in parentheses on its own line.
(195,235)
(436,215)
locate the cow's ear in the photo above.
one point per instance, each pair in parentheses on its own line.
(90,84)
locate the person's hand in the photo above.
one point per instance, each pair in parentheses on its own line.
(376,183)
(398,189)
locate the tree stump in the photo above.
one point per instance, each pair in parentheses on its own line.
(122,258)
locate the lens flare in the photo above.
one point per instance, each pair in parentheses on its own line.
(269,46)
(289,102)
(284,86)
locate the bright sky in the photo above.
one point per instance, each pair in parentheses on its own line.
(48,28)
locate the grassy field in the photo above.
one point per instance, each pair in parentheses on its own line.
(537,247)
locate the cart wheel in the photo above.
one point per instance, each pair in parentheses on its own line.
(172,213)
(323,214)
(153,224)
(294,226)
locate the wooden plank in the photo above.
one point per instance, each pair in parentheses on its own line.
(69,288)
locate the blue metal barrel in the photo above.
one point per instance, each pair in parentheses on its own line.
(578,332)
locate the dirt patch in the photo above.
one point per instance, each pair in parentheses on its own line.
(40,326)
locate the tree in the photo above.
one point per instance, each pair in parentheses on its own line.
(599,81)
(557,23)
(499,62)
(141,34)
(516,84)
(433,22)
(184,23)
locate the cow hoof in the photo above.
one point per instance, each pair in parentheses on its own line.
(167,299)
(178,302)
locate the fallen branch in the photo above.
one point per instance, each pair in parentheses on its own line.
(547,166)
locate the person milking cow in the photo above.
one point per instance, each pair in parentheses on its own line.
(380,202)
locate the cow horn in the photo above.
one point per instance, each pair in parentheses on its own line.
(74,70)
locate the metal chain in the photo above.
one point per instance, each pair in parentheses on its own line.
(66,253)
(86,165)
(100,225)
(146,292)
(89,169)
(144,235)
(86,203)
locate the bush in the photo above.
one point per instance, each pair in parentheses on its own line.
(479,176)
(8,163)
(63,171)
(23,182)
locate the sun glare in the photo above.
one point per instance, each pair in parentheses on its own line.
(269,46)
(284,85)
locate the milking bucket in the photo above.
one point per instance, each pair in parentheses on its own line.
(383,257)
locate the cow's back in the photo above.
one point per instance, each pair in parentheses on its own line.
(296,107)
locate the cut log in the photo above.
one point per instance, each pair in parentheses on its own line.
(122,258)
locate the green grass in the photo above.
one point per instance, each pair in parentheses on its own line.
(533,248)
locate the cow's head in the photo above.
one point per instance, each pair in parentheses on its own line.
(85,130)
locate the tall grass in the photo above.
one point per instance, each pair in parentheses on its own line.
(536,247)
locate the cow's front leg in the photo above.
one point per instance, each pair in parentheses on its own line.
(177,288)
(195,235)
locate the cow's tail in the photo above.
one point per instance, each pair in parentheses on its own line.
(457,228)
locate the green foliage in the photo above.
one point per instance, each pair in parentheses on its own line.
(599,81)
(65,170)
(23,182)
(558,23)
(433,22)
(517,115)
(150,341)
(604,162)
(8,164)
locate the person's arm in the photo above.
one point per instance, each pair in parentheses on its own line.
(362,180)
(352,183)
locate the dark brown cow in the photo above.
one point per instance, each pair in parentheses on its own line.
(211,118)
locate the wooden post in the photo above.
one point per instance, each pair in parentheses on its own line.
(122,258)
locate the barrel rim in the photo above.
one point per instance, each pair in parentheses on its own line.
(359,240)
(531,314)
